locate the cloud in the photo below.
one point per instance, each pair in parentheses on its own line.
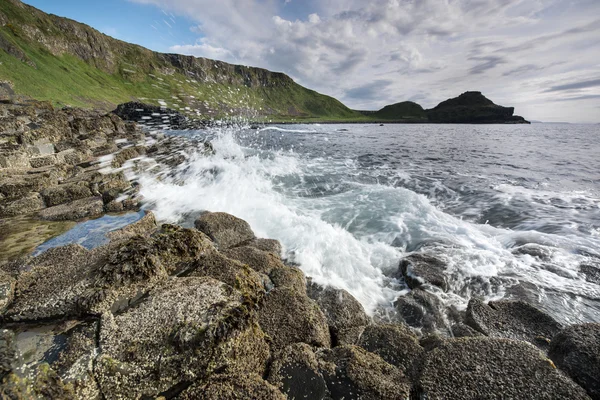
(427,49)
(575,85)
(370,91)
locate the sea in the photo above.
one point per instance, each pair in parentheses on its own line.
(512,210)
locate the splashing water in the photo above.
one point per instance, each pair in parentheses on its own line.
(347,203)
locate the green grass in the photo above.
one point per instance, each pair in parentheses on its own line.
(138,74)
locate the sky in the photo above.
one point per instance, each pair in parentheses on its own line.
(540,56)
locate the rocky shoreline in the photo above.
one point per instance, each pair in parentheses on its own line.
(213,312)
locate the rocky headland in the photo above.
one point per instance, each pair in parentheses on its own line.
(213,312)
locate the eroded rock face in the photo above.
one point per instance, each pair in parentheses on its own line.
(224,229)
(485,368)
(395,344)
(187,329)
(295,372)
(84,208)
(512,319)
(346,317)
(576,350)
(351,372)
(290,317)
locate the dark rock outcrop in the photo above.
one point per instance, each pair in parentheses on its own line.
(346,317)
(576,350)
(512,319)
(224,229)
(156,117)
(396,344)
(472,108)
(483,368)
(419,269)
(421,310)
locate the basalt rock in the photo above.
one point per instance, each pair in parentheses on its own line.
(422,310)
(89,207)
(485,368)
(232,387)
(418,269)
(258,260)
(346,317)
(295,372)
(186,330)
(395,344)
(512,319)
(351,372)
(268,245)
(290,317)
(576,350)
(224,229)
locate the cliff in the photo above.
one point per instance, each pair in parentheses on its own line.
(47,57)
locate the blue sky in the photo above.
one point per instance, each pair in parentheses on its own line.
(541,56)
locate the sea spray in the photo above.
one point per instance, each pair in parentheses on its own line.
(347,220)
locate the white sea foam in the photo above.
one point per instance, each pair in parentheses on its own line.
(344,239)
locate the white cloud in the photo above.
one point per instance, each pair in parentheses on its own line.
(430,50)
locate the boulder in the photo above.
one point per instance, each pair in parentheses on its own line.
(420,309)
(395,344)
(352,373)
(288,277)
(268,245)
(421,269)
(232,387)
(27,204)
(295,372)
(346,317)
(591,272)
(463,330)
(290,317)
(90,207)
(66,193)
(224,229)
(576,350)
(258,260)
(513,320)
(8,352)
(486,368)
(184,331)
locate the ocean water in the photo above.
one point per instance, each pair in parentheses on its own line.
(349,201)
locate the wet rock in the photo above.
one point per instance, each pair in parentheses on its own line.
(48,284)
(576,350)
(512,319)
(421,310)
(268,245)
(66,193)
(295,372)
(496,368)
(224,229)
(352,373)
(7,290)
(232,387)
(290,317)
(127,154)
(85,208)
(8,352)
(26,205)
(288,277)
(419,269)
(146,226)
(186,330)
(258,260)
(45,384)
(463,330)
(114,207)
(395,344)
(591,272)
(542,253)
(346,317)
